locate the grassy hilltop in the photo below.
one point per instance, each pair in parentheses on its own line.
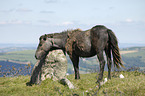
(132,85)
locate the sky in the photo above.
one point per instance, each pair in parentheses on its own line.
(24,21)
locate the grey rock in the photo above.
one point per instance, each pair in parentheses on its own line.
(54,67)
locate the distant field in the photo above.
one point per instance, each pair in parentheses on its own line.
(134,52)
(28,55)
(132,57)
(23,56)
(126,52)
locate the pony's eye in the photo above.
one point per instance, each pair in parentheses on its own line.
(44,39)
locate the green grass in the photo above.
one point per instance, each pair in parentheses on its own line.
(132,85)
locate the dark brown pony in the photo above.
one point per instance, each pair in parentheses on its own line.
(79,43)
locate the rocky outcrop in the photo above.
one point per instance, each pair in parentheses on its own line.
(54,67)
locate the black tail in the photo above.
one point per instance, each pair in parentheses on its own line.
(115,49)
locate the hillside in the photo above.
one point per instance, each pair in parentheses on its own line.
(10,49)
(132,57)
(23,56)
(132,85)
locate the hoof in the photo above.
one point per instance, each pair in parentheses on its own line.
(29,84)
(109,78)
(98,81)
(77,78)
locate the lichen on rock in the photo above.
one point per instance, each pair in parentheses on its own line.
(54,67)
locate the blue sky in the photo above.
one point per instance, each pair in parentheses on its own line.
(24,21)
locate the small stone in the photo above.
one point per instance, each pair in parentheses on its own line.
(121,76)
(105,80)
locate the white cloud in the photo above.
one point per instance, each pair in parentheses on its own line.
(14,22)
(24,10)
(46,11)
(3,22)
(44,21)
(129,20)
(50,1)
(67,23)
(7,11)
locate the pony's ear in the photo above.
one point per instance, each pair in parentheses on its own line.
(44,38)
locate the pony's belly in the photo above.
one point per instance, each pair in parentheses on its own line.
(85,52)
(87,55)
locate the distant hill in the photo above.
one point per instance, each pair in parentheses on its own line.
(11,49)
(132,57)
(23,56)
(6,45)
(135,57)
(126,45)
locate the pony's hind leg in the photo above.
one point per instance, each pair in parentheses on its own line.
(109,62)
(102,65)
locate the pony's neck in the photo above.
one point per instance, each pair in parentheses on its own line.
(59,40)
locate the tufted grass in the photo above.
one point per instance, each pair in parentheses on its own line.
(132,85)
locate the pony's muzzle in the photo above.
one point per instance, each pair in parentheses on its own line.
(40,55)
(36,56)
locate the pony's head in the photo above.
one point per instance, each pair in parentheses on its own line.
(51,42)
(45,45)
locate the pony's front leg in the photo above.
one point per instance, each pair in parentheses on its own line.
(75,61)
(102,65)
